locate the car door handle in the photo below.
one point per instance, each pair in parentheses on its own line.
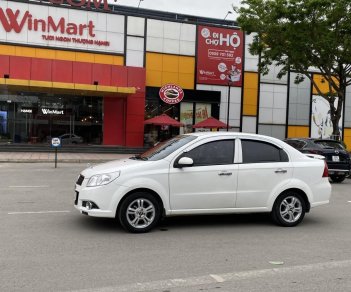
(281,171)
(225,173)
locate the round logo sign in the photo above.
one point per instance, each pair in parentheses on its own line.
(171,93)
(55,142)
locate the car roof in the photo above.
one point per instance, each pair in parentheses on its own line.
(313,139)
(240,135)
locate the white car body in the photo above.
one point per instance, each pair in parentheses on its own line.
(232,188)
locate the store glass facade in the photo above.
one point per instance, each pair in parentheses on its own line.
(195,107)
(36,117)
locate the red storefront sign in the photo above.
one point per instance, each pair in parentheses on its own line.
(171,93)
(219,56)
(84,3)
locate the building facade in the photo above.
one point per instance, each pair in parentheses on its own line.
(96,70)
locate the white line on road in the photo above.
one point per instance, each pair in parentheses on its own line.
(39,212)
(212,279)
(349,201)
(219,279)
(29,186)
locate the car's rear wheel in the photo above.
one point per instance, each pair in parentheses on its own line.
(139,212)
(337,178)
(289,209)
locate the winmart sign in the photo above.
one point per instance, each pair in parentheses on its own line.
(59,27)
(46,111)
(88,4)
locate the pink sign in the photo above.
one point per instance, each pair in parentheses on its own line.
(219,56)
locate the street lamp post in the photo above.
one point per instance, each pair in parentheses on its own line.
(230,82)
(228,104)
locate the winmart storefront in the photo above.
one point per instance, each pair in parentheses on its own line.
(35,118)
(63,70)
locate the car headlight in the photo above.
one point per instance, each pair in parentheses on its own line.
(102,179)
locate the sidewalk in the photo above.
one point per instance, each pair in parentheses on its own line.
(32,157)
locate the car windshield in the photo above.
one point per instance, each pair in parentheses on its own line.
(330,144)
(163,149)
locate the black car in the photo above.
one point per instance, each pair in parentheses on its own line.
(335,153)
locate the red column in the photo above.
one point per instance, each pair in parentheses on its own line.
(114,121)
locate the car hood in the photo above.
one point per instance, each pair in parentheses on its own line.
(112,166)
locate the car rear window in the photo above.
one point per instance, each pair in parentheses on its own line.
(330,144)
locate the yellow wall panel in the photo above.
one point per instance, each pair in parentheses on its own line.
(25,52)
(250,94)
(85,57)
(45,54)
(65,55)
(251,110)
(347,138)
(170,63)
(298,131)
(170,77)
(118,60)
(103,59)
(186,81)
(187,65)
(174,69)
(7,50)
(153,62)
(153,78)
(322,84)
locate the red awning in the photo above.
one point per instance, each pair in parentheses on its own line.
(163,120)
(210,123)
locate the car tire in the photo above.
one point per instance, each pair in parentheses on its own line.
(289,209)
(139,212)
(337,178)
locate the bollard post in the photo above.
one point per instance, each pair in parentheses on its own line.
(56,143)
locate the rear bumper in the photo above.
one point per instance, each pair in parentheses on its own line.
(338,171)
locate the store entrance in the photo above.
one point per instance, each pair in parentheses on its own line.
(36,118)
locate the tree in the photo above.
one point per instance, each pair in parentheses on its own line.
(300,35)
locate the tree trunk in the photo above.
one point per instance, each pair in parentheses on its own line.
(336,112)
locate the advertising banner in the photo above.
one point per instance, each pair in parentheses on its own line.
(219,56)
(186,117)
(321,124)
(29,24)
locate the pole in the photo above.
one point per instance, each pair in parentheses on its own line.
(55,157)
(228,106)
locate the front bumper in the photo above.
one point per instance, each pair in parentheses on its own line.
(104,199)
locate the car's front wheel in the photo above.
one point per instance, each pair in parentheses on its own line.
(289,209)
(337,178)
(139,212)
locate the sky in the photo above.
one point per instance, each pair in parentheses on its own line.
(207,8)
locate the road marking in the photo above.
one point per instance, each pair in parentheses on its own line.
(349,201)
(219,279)
(38,212)
(43,186)
(213,279)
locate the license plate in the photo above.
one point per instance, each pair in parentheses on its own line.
(335,158)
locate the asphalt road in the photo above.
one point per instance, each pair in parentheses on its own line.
(46,245)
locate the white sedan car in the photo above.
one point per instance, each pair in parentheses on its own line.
(205,173)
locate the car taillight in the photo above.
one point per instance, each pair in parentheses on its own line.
(325,172)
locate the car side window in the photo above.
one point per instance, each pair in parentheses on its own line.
(212,153)
(261,152)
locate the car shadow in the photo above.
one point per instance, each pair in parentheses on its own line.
(210,222)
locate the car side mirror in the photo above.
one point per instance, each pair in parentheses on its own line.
(185,162)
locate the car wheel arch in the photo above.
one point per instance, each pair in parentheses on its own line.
(142,190)
(298,191)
